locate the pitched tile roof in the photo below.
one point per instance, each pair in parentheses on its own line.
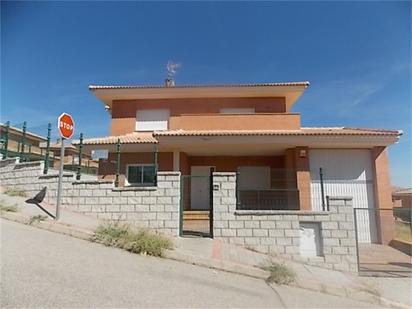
(302,131)
(407,191)
(150,138)
(132,138)
(304,83)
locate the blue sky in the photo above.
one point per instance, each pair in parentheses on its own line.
(357,56)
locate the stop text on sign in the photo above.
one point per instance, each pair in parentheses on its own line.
(66,126)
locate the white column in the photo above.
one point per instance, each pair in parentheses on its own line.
(176,160)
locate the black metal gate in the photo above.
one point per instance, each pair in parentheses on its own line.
(389,257)
(196,206)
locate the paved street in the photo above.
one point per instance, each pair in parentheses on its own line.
(44,269)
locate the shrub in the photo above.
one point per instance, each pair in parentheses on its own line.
(280,274)
(9,208)
(136,241)
(36,218)
(14,192)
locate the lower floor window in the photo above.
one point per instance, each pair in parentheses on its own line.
(141,174)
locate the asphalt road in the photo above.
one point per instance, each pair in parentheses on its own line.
(44,269)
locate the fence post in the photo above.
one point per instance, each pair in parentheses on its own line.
(116,182)
(46,157)
(237,190)
(6,140)
(79,167)
(322,191)
(23,140)
(155,160)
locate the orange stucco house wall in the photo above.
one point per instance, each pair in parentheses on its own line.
(195,120)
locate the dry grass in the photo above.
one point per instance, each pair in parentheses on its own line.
(35,219)
(14,192)
(403,232)
(280,273)
(9,208)
(137,241)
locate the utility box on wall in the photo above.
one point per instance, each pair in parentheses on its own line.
(310,239)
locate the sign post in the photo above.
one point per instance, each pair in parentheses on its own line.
(65,124)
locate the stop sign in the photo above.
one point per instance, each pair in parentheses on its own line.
(65,123)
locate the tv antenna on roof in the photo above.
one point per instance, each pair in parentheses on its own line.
(172,68)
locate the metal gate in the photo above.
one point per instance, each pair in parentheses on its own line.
(196,206)
(393,258)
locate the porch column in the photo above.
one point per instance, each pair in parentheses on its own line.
(383,194)
(300,158)
(176,160)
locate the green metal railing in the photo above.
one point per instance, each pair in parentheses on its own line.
(24,150)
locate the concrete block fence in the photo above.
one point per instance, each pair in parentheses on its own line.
(274,232)
(145,207)
(277,232)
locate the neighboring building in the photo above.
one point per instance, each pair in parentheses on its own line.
(402,198)
(250,129)
(71,158)
(12,138)
(32,147)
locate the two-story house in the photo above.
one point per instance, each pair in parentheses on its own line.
(250,129)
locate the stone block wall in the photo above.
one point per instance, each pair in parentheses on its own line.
(156,208)
(277,232)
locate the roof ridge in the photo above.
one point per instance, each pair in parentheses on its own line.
(297,83)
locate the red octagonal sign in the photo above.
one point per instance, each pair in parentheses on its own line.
(65,123)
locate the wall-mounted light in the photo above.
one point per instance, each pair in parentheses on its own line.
(302,153)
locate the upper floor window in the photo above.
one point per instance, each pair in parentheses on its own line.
(237,110)
(152,119)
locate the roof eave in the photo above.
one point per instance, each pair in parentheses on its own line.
(291,91)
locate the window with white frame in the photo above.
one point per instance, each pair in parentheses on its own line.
(140,174)
(152,119)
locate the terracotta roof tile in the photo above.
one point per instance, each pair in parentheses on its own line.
(407,191)
(96,87)
(149,138)
(132,138)
(302,131)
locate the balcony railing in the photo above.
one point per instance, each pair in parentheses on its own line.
(269,199)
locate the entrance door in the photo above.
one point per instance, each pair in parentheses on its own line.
(346,172)
(200,187)
(196,208)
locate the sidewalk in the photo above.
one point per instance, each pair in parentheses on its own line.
(394,292)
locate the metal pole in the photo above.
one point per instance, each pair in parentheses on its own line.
(356,238)
(155,159)
(181,205)
(211,203)
(6,140)
(23,140)
(322,191)
(116,182)
(46,157)
(237,191)
(59,186)
(79,167)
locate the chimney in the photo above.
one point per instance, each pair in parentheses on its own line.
(169,82)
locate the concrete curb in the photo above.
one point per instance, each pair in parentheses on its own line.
(52,226)
(186,257)
(217,264)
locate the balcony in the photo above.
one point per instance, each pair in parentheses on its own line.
(260,121)
(267,189)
